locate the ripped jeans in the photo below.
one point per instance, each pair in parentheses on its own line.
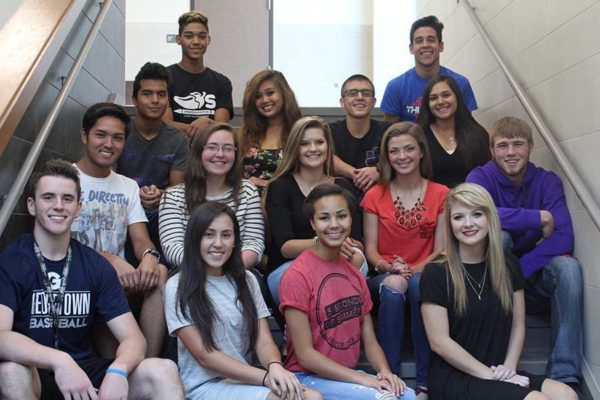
(337,390)
(390,324)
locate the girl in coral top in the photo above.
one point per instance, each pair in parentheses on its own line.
(402,215)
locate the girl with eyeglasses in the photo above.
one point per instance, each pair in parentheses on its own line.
(473,307)
(270,110)
(458,143)
(215,309)
(213,173)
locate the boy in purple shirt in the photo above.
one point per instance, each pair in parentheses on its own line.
(534,215)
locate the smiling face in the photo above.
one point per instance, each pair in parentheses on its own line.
(268,99)
(469,226)
(442,101)
(331,221)
(218,154)
(357,104)
(426,47)
(404,154)
(54,205)
(194,40)
(104,142)
(511,155)
(152,99)
(217,244)
(313,149)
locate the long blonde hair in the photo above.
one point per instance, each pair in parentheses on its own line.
(472,195)
(289,161)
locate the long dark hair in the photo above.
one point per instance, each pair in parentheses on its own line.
(195,175)
(253,130)
(471,137)
(194,303)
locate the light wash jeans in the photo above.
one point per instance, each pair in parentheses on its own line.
(337,390)
(560,282)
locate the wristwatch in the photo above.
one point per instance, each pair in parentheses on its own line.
(152,251)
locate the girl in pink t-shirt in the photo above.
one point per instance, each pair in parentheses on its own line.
(326,304)
(402,219)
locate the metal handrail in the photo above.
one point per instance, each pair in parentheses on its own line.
(584,194)
(21,180)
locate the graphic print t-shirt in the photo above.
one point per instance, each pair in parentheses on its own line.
(192,96)
(109,206)
(92,293)
(335,297)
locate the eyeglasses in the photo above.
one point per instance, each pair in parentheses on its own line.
(214,148)
(355,92)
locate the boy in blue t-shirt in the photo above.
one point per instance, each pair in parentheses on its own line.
(403,95)
(52,288)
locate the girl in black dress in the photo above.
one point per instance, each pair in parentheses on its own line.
(474,310)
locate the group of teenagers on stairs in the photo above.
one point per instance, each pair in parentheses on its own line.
(187,218)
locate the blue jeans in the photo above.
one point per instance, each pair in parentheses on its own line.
(390,324)
(560,281)
(337,390)
(274,279)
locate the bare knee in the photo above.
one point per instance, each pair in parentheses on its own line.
(156,370)
(396,282)
(17,382)
(556,390)
(311,394)
(537,396)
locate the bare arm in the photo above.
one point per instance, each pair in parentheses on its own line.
(299,328)
(517,331)
(18,348)
(371,229)
(342,168)
(131,351)
(293,248)
(167,118)
(435,318)
(149,267)
(222,115)
(218,361)
(176,177)
(391,118)
(270,358)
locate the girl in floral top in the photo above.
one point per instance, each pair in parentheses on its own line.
(270,110)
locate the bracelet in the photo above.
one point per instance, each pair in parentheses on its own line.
(315,240)
(117,371)
(377,265)
(265,377)
(273,362)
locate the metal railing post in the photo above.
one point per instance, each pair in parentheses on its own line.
(573,177)
(21,180)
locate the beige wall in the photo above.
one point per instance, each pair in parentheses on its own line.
(553,47)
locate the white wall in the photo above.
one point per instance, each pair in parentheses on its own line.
(553,47)
(7,9)
(147,24)
(318,50)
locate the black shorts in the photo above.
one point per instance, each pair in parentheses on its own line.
(94,368)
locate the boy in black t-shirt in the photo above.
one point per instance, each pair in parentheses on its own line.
(197,94)
(357,136)
(52,288)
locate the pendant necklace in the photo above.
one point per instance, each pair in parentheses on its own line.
(472,282)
